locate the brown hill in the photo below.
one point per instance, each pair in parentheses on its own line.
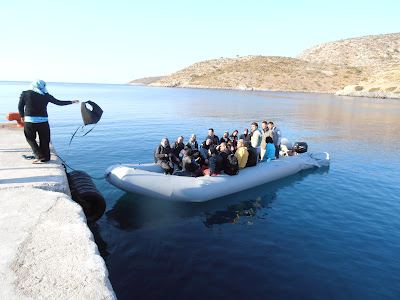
(366,66)
(263,73)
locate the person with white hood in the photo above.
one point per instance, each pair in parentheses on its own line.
(33,110)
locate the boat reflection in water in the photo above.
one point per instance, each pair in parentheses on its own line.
(242,213)
(134,211)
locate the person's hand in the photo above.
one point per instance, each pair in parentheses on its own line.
(166,155)
(22,119)
(75,101)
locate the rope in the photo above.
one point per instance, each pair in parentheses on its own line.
(71,168)
(81,127)
(70,141)
(72,137)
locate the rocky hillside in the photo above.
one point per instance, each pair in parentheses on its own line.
(264,73)
(377,55)
(372,50)
(366,66)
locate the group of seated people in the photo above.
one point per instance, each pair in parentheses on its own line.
(215,155)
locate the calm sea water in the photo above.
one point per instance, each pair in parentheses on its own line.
(324,234)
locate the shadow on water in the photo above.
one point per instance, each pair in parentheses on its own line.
(101,243)
(132,211)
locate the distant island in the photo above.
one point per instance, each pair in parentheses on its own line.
(367,66)
(146,80)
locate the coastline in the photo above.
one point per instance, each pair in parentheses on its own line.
(345,93)
(47,248)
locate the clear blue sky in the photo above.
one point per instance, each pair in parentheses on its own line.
(116,41)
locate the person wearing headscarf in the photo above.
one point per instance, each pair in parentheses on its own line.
(33,110)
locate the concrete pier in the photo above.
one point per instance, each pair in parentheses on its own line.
(46,249)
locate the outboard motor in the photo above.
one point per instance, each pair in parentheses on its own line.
(300,147)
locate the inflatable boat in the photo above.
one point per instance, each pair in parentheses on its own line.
(150,180)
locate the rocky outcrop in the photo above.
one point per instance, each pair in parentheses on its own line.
(384,83)
(373,92)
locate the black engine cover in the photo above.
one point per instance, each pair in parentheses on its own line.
(300,147)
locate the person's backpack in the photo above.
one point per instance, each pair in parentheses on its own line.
(232,165)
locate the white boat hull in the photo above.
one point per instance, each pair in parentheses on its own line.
(149,179)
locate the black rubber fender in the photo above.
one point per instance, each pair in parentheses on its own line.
(85,193)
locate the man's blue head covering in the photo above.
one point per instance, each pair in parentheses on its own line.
(39,86)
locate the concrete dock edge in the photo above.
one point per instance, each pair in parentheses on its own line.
(47,250)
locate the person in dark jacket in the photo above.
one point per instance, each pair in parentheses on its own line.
(245,136)
(189,165)
(177,147)
(234,138)
(214,138)
(225,138)
(214,162)
(32,107)
(192,143)
(204,149)
(223,148)
(163,155)
(224,152)
(253,156)
(196,154)
(231,147)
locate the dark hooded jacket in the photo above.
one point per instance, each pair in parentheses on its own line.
(215,162)
(35,105)
(252,158)
(177,148)
(214,139)
(193,146)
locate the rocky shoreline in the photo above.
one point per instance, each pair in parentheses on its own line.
(359,91)
(349,91)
